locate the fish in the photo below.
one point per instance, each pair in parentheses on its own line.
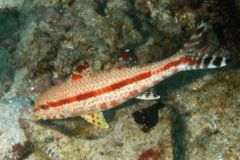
(88,94)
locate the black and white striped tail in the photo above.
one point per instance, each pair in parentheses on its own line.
(209,61)
(204,49)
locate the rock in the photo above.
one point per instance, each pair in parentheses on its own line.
(202,122)
(6,72)
(18,82)
(10,3)
(124,139)
(37,156)
(13,142)
(211,108)
(237,4)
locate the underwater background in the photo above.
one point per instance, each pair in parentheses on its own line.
(42,42)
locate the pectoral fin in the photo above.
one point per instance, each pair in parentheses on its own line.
(96,119)
(149,94)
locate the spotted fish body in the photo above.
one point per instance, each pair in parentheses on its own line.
(85,95)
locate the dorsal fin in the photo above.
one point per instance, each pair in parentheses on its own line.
(203,41)
(81,71)
(197,41)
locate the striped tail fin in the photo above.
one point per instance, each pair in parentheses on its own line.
(204,50)
(208,61)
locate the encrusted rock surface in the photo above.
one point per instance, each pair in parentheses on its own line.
(50,38)
(13,142)
(42,41)
(123,140)
(6,72)
(6,4)
(210,104)
(200,121)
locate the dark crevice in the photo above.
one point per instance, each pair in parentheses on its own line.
(178,134)
(100,6)
(148,117)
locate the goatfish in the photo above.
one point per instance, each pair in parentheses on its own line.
(88,93)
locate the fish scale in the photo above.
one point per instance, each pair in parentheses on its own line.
(108,80)
(92,93)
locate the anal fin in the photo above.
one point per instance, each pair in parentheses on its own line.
(149,94)
(96,119)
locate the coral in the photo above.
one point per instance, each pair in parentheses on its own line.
(156,153)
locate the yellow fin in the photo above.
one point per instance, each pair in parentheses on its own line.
(96,119)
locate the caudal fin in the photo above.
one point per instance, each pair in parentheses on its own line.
(204,50)
(209,61)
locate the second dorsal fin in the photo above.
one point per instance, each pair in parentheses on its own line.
(203,41)
(127,59)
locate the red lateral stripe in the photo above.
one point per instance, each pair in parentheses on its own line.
(96,92)
(114,86)
(187,60)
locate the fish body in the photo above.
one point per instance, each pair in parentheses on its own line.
(87,95)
